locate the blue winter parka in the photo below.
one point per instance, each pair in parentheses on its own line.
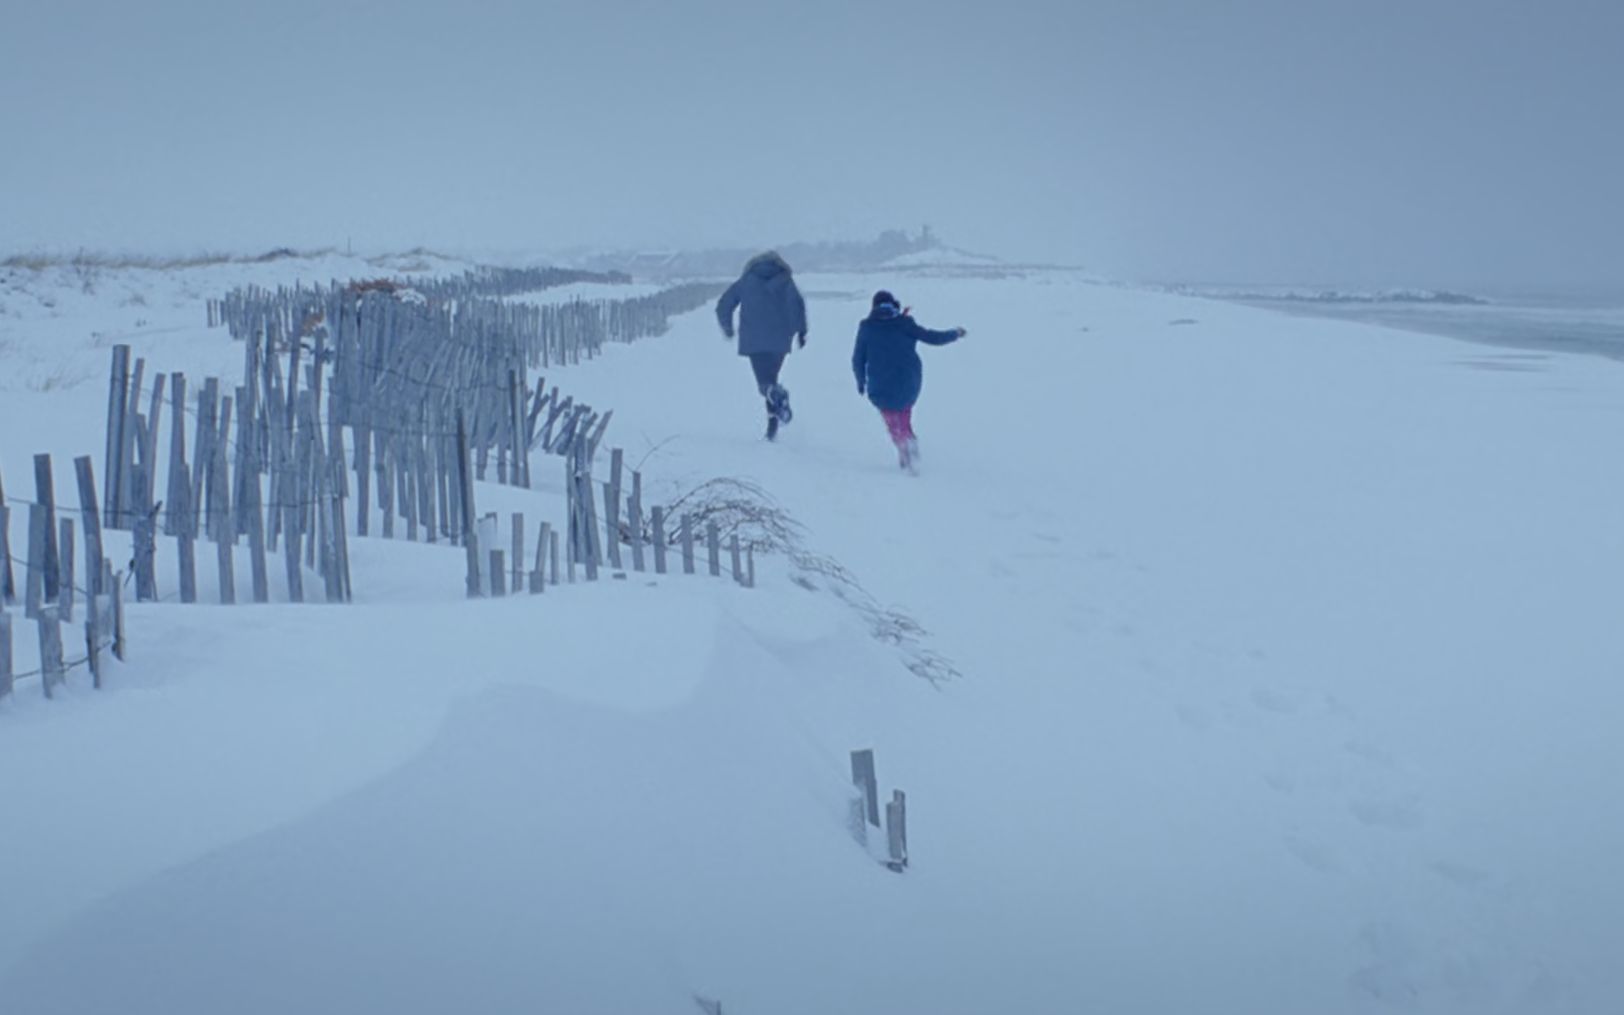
(886,357)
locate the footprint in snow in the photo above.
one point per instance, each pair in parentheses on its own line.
(1278,702)
(1195,717)
(1370,752)
(1398,814)
(1316,856)
(1464,875)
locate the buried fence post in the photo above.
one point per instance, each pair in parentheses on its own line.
(862,776)
(90,512)
(518,582)
(658,524)
(93,639)
(5,654)
(45,497)
(611,507)
(635,516)
(34,580)
(8,588)
(50,649)
(538,577)
(896,831)
(465,495)
(118,617)
(65,570)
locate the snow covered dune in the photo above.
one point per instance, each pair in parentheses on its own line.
(1289,656)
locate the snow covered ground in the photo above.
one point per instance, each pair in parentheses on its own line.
(1290,683)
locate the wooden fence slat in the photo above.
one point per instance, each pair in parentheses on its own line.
(65,569)
(34,593)
(45,496)
(538,577)
(589,506)
(612,506)
(863,777)
(93,626)
(713,548)
(7,681)
(465,491)
(687,543)
(498,566)
(117,401)
(659,539)
(8,591)
(116,583)
(52,673)
(517,579)
(174,521)
(8,586)
(363,479)
(636,517)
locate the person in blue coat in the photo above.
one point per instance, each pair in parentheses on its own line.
(886,362)
(771,313)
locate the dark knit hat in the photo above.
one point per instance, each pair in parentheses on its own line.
(882,298)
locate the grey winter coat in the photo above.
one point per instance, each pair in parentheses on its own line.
(771,310)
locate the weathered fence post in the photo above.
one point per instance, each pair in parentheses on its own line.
(737,559)
(498,574)
(635,519)
(118,617)
(117,409)
(687,543)
(6,681)
(659,540)
(8,585)
(713,547)
(517,581)
(65,569)
(45,496)
(589,506)
(93,626)
(89,513)
(146,543)
(538,577)
(611,505)
(51,670)
(896,831)
(863,777)
(465,493)
(34,580)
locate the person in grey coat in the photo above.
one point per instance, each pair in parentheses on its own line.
(772,315)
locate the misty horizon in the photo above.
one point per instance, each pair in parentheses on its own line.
(1449,144)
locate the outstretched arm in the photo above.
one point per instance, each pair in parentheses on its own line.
(725,307)
(930,337)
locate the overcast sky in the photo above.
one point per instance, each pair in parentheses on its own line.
(1442,142)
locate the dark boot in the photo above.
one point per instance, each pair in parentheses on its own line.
(778,403)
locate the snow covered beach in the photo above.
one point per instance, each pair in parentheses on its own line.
(1290,667)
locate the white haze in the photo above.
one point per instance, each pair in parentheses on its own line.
(1435,142)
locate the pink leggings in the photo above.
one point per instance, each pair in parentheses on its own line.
(900,423)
